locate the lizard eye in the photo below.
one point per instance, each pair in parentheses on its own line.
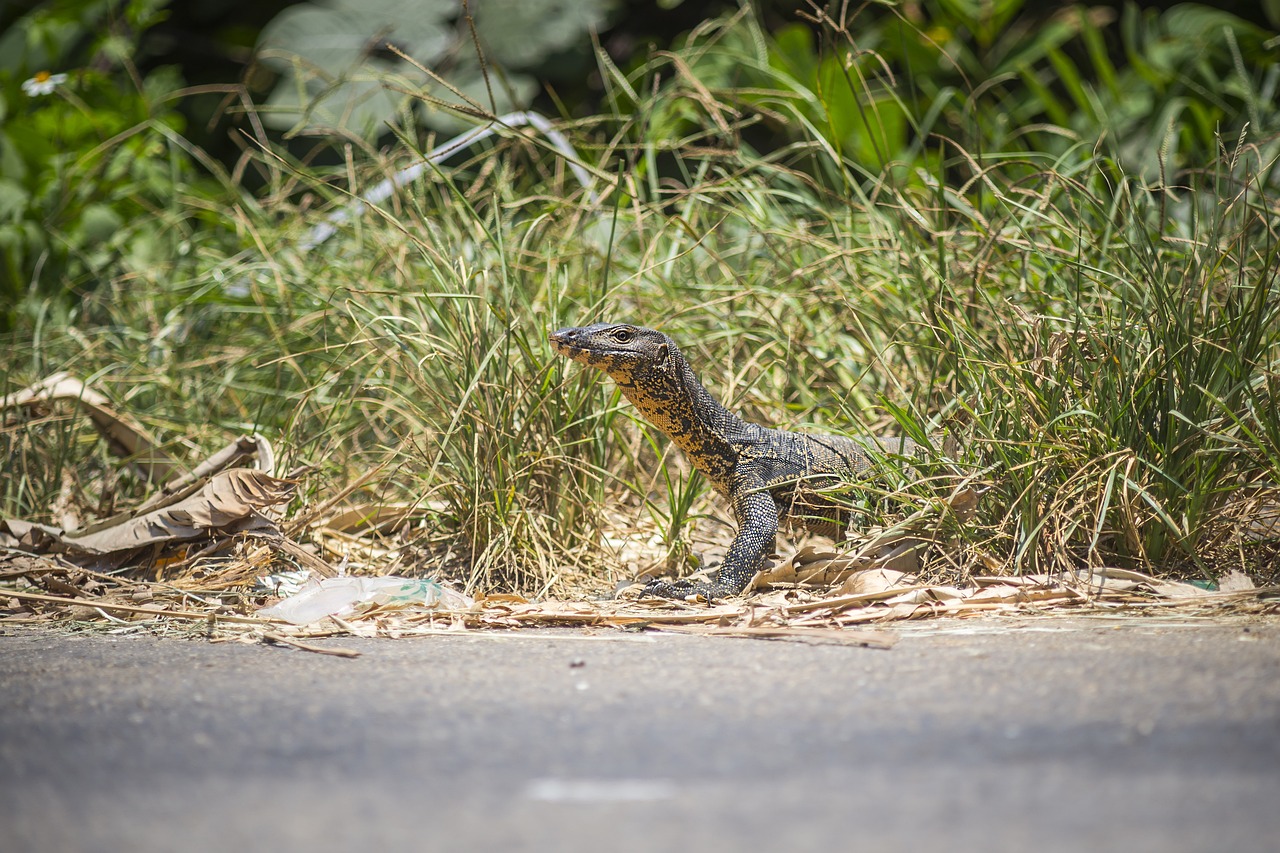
(622,336)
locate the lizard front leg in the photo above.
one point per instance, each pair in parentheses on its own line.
(756,512)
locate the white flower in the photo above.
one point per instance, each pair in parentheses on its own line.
(43,84)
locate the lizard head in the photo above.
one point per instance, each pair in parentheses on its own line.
(619,349)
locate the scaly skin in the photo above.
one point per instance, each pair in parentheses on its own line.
(764,473)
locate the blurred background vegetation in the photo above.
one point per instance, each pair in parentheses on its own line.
(1053,222)
(166,100)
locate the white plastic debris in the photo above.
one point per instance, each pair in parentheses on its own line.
(344,596)
(283,583)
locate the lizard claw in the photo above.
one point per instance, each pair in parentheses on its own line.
(683,590)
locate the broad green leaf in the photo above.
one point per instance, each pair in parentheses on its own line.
(100,223)
(1272,10)
(334,41)
(521,34)
(13,199)
(360,103)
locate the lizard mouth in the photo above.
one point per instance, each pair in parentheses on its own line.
(563,343)
(562,346)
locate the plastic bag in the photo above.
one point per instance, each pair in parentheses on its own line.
(344,596)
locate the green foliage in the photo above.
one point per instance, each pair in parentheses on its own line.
(953,233)
(885,88)
(95,176)
(351,66)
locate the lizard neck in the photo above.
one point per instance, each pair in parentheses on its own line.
(671,398)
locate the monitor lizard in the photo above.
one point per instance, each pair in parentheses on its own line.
(766,474)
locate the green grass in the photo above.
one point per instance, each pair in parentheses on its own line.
(1107,348)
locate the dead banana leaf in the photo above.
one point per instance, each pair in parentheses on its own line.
(126,437)
(875,581)
(230,502)
(227,458)
(825,568)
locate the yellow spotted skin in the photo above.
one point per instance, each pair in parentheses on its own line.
(766,474)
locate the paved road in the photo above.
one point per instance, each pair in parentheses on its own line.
(976,735)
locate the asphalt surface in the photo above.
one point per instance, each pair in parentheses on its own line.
(985,735)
